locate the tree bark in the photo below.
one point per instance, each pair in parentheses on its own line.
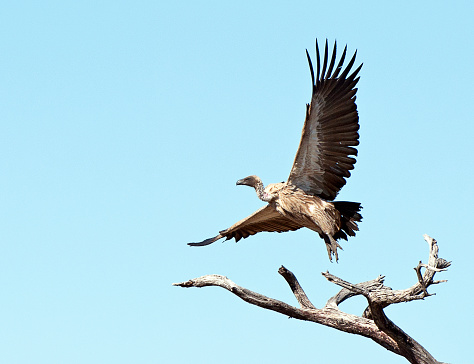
(373,323)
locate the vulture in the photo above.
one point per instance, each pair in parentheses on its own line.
(323,161)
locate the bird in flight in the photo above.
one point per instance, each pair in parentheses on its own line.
(323,161)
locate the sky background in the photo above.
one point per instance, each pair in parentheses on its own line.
(124,127)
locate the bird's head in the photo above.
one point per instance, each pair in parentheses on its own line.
(256,182)
(251,181)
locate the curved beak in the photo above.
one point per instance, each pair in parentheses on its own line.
(240,182)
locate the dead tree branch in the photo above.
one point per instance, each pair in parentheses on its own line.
(373,323)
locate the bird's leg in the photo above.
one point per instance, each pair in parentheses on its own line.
(331,246)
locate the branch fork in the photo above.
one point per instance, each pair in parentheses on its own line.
(373,323)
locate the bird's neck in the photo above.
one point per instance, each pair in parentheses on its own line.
(261,193)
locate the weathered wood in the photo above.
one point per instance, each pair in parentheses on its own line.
(296,288)
(373,324)
(345,293)
(327,316)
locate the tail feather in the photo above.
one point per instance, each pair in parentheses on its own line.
(349,218)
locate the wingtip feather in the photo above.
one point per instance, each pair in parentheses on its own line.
(206,242)
(310,68)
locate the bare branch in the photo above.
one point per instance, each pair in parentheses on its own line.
(380,298)
(328,316)
(385,296)
(345,293)
(349,286)
(373,324)
(296,288)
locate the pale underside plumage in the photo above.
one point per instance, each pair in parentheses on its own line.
(322,162)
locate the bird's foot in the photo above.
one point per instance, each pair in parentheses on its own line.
(331,246)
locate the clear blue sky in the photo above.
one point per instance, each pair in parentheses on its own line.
(124,126)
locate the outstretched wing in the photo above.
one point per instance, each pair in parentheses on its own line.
(264,219)
(330,130)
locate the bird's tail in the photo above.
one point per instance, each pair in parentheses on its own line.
(349,217)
